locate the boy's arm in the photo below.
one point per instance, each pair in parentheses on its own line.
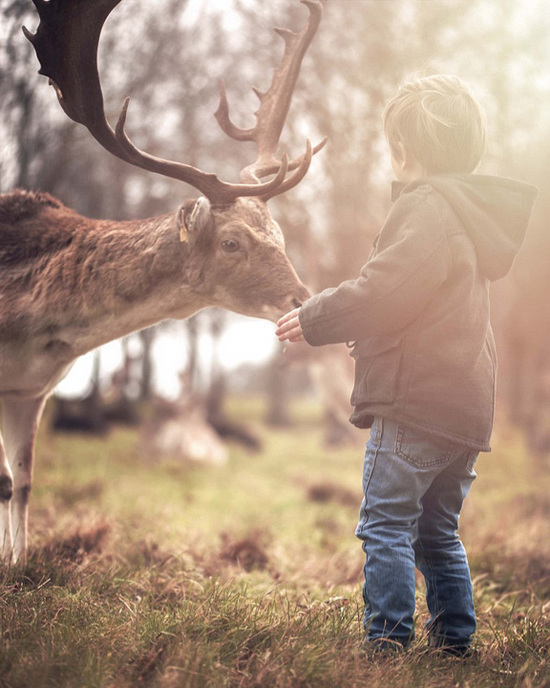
(412,261)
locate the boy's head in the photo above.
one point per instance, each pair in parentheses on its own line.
(438,121)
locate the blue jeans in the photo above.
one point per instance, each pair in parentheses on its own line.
(414,485)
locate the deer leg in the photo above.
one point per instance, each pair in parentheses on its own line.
(6,491)
(21,419)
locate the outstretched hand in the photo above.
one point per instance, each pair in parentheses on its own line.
(289,328)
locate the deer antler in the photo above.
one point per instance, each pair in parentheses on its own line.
(274,106)
(66,44)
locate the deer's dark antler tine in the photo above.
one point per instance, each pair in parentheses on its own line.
(132,152)
(293,164)
(275,102)
(223,119)
(66,43)
(295,178)
(28,34)
(218,191)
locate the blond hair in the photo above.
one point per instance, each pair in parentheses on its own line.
(439,121)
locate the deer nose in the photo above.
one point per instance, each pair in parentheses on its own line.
(296,303)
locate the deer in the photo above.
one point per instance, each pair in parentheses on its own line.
(69,284)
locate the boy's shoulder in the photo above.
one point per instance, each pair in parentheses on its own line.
(401,190)
(418,203)
(467,190)
(410,195)
(458,201)
(492,212)
(417,220)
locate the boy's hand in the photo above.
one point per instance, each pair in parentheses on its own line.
(289,328)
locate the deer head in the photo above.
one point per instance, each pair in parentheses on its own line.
(237,257)
(230,222)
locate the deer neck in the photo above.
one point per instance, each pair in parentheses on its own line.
(117,277)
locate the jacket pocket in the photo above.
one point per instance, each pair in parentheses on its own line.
(377,366)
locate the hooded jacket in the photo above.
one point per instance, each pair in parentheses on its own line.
(418,314)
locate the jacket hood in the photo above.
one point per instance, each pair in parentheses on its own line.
(494,211)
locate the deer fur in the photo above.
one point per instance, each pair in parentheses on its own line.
(69,284)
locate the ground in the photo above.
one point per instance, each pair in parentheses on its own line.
(145,572)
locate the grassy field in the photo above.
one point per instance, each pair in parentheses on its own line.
(145,573)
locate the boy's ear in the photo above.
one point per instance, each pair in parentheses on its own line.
(405,158)
(409,163)
(395,149)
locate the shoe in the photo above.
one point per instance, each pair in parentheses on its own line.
(460,650)
(377,647)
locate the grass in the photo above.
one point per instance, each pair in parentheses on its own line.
(152,573)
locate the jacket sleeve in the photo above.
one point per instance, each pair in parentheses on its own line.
(411,262)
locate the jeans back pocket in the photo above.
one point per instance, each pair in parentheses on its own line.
(421,449)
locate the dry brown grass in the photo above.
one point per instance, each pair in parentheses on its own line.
(249,576)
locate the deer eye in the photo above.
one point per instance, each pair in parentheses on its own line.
(230,245)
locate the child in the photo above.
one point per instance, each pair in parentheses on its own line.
(425,361)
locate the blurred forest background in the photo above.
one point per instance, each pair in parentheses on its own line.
(169,56)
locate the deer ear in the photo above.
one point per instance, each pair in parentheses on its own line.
(193,216)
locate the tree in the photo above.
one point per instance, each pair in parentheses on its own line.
(169,55)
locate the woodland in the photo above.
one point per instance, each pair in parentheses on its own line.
(148,570)
(169,57)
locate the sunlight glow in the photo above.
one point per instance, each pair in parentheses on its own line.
(246,341)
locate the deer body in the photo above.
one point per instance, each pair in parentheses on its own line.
(100,280)
(69,284)
(88,282)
